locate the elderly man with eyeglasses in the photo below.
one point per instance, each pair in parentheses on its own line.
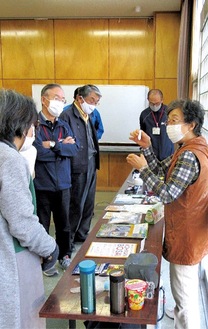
(56,145)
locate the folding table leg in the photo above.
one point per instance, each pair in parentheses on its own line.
(72,324)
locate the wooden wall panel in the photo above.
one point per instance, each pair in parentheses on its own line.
(168,87)
(81,82)
(81,49)
(119,169)
(97,51)
(145,82)
(0,58)
(103,173)
(27,49)
(23,86)
(166,44)
(131,49)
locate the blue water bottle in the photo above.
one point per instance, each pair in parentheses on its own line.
(87,285)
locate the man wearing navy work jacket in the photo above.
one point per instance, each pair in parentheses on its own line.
(153,123)
(56,146)
(85,164)
(94,116)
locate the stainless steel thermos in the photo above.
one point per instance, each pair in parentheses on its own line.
(87,286)
(117,291)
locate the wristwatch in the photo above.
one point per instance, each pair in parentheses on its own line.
(52,144)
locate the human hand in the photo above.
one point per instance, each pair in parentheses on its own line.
(140,138)
(68,140)
(50,261)
(136,161)
(46,144)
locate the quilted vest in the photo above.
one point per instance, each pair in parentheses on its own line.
(186,219)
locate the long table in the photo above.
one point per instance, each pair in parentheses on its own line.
(63,303)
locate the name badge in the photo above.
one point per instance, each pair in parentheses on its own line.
(156,130)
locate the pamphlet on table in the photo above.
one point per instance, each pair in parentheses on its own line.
(111,250)
(134,231)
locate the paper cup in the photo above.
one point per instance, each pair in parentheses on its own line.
(136,293)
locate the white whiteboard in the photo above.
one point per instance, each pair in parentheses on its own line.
(120,107)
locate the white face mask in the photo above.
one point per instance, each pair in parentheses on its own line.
(174,133)
(55,107)
(155,108)
(87,108)
(27,143)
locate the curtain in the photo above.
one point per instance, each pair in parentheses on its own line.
(184,49)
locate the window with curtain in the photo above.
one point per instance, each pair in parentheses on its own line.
(203,65)
(199,75)
(203,98)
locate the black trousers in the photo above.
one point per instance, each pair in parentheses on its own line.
(82,201)
(56,203)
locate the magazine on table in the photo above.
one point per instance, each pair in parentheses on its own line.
(123,217)
(135,208)
(111,249)
(102,269)
(135,231)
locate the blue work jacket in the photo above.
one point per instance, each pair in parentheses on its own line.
(53,166)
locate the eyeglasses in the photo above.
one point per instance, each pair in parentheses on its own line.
(91,100)
(173,122)
(57,98)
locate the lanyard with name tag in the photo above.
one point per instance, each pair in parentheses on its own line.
(156,130)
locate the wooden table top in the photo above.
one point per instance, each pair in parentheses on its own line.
(65,304)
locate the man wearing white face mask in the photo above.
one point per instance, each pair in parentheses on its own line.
(28,151)
(85,164)
(94,116)
(152,121)
(56,145)
(184,194)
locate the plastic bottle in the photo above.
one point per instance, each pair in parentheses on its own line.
(139,185)
(138,182)
(87,286)
(117,291)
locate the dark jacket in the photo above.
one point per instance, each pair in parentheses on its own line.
(161,144)
(53,166)
(78,126)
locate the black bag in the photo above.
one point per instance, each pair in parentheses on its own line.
(142,266)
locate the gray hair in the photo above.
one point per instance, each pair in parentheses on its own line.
(84,91)
(48,87)
(192,111)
